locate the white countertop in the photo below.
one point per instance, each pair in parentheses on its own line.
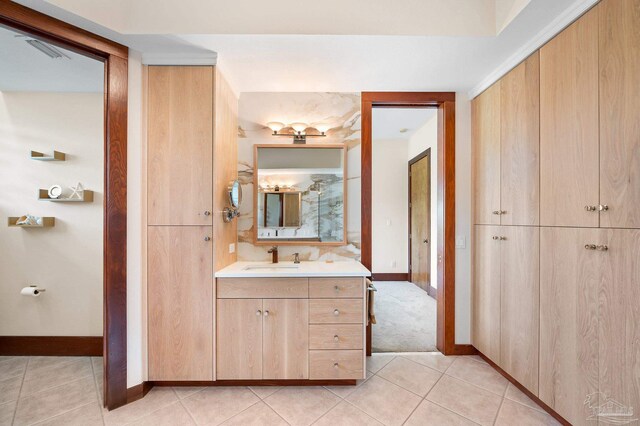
(290,269)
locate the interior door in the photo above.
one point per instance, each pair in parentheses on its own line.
(285,339)
(569,282)
(180,303)
(520,303)
(239,334)
(420,204)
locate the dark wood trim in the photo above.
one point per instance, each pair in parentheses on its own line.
(51,345)
(526,391)
(138,391)
(445,102)
(280,382)
(115,58)
(384,276)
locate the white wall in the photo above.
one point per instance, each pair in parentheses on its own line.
(389,222)
(65,259)
(424,138)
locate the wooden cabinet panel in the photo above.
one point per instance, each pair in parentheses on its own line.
(262,288)
(336,287)
(239,346)
(619,318)
(519,313)
(485,116)
(569,125)
(336,365)
(335,336)
(486,291)
(520,144)
(569,281)
(180,145)
(338,311)
(285,347)
(620,113)
(180,303)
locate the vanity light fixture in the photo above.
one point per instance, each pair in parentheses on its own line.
(299,134)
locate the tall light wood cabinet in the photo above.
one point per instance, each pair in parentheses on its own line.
(485,114)
(569,288)
(569,126)
(620,113)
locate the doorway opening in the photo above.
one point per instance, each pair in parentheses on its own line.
(405,305)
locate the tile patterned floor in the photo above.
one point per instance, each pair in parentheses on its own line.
(411,389)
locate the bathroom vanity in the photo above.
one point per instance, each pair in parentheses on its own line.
(289,321)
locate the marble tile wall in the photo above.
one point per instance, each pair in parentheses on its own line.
(339,110)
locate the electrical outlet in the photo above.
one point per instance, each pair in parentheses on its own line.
(461,242)
(232,248)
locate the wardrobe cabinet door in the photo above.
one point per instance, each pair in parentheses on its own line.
(485,112)
(619,318)
(180,145)
(569,281)
(239,339)
(520,144)
(569,125)
(486,291)
(180,303)
(620,113)
(520,302)
(286,339)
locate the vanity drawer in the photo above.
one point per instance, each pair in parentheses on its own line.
(336,365)
(263,288)
(336,287)
(335,336)
(336,311)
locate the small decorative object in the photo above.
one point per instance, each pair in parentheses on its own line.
(55,191)
(29,220)
(77,191)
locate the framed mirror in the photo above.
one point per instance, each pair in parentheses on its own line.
(300,194)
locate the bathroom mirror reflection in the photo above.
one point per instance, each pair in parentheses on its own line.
(300,194)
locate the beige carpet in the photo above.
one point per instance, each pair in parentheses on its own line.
(406,318)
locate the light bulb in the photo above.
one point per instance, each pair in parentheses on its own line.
(322,128)
(299,127)
(276,126)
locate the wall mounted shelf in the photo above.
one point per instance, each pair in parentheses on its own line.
(47,222)
(57,156)
(87,197)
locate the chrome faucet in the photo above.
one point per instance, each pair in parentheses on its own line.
(274,254)
(296,257)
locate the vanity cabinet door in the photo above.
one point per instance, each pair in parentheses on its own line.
(285,329)
(180,303)
(239,345)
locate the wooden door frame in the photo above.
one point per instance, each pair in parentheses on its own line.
(445,102)
(431,291)
(115,59)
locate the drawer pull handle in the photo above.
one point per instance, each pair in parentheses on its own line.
(336,312)
(266,313)
(336,338)
(258,312)
(335,365)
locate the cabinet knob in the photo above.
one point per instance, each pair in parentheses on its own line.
(336,338)
(336,312)
(602,247)
(258,312)
(603,207)
(335,365)
(207,238)
(495,237)
(590,246)
(590,208)
(496,212)
(503,212)
(266,313)
(502,238)
(207,213)
(336,288)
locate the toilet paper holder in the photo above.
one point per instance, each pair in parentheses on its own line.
(34,289)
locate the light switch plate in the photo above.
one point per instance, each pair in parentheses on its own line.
(232,248)
(461,242)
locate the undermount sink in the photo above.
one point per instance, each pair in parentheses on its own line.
(270,267)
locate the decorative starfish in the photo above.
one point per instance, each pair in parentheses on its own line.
(77,191)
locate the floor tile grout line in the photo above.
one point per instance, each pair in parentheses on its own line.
(354,406)
(95,384)
(63,363)
(370,415)
(417,363)
(402,387)
(185,408)
(15,409)
(477,386)
(63,413)
(329,410)
(495,419)
(75,379)
(451,411)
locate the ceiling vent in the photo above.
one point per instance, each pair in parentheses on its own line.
(47,49)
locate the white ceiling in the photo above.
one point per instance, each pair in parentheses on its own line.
(387,123)
(333,63)
(24,68)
